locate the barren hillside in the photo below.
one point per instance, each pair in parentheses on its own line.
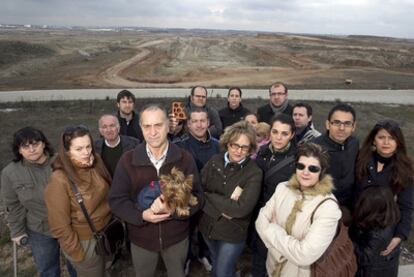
(42,59)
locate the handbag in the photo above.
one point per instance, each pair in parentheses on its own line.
(339,259)
(110,239)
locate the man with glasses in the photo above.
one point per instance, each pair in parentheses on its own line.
(342,148)
(110,146)
(278,95)
(198,98)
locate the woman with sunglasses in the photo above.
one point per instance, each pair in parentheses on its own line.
(284,224)
(23,182)
(77,165)
(231,183)
(383,161)
(277,160)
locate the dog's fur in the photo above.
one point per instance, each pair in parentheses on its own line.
(176,190)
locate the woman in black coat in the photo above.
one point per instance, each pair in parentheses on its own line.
(383,161)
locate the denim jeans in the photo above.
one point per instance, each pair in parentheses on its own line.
(224,256)
(46,253)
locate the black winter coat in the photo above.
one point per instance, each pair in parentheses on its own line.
(367,246)
(265,113)
(230,116)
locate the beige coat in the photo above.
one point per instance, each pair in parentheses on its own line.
(293,243)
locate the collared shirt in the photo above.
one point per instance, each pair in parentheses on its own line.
(113,146)
(157,162)
(227,160)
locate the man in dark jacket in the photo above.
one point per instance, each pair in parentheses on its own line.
(110,146)
(279,103)
(343,149)
(128,119)
(155,231)
(198,98)
(234,112)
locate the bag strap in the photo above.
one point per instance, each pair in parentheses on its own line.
(79,199)
(320,203)
(278,166)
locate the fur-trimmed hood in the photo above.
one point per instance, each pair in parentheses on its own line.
(323,187)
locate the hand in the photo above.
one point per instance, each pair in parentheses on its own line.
(150,216)
(18,239)
(393,243)
(173,122)
(159,206)
(226,216)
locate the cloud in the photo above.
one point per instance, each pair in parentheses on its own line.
(369,17)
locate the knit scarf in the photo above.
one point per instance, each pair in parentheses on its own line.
(278,110)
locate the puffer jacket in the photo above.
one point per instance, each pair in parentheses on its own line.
(66,219)
(219,183)
(22,188)
(293,243)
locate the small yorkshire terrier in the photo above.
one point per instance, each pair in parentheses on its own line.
(175,189)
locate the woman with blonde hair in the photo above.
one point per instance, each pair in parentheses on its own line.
(294,242)
(77,165)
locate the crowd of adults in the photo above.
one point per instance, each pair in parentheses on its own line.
(261,181)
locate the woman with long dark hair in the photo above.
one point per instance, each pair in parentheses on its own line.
(23,182)
(77,164)
(383,161)
(374,219)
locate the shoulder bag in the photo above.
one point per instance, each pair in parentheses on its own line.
(339,259)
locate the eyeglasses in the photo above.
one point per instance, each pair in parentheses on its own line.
(311,168)
(33,144)
(236,147)
(274,94)
(338,123)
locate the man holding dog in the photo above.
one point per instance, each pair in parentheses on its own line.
(155,231)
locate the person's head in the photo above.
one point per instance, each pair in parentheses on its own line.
(278,94)
(376,208)
(31,144)
(77,145)
(125,101)
(198,122)
(282,131)
(155,125)
(311,164)
(262,131)
(387,140)
(234,97)
(251,118)
(198,96)
(239,140)
(341,122)
(109,127)
(302,115)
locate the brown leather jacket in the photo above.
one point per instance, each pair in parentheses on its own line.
(66,220)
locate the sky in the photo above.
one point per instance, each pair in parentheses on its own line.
(394,18)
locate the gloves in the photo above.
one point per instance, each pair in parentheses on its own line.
(18,240)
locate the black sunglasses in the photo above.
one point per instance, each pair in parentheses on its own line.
(311,168)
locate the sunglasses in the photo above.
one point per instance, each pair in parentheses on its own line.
(311,168)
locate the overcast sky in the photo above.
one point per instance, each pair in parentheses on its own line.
(365,17)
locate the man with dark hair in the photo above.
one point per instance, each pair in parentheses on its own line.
(278,96)
(198,98)
(110,146)
(234,112)
(302,116)
(155,231)
(128,120)
(342,148)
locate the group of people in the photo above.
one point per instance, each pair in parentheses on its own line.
(256,184)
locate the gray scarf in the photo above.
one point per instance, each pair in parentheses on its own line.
(278,110)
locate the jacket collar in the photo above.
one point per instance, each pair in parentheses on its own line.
(323,187)
(140,157)
(236,110)
(333,144)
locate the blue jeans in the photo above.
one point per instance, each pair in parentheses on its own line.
(46,253)
(224,256)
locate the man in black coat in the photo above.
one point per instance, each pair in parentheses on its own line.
(278,96)
(128,119)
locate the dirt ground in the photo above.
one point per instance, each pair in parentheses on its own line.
(63,58)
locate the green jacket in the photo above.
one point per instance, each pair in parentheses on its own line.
(219,183)
(22,187)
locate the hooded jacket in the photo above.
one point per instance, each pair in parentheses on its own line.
(293,243)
